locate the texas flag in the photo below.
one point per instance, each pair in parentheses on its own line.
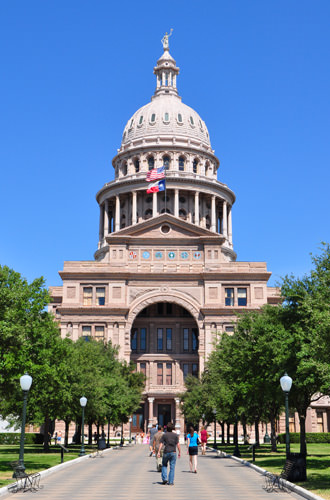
(156,186)
(156,173)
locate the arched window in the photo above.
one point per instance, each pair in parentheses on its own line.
(166,162)
(148,214)
(141,120)
(151,162)
(195,165)
(124,168)
(166,117)
(182,163)
(168,211)
(182,214)
(153,118)
(180,118)
(137,165)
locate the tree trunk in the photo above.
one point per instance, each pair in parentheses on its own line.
(46,434)
(222,432)
(273,434)
(302,421)
(228,433)
(256,429)
(66,434)
(245,436)
(78,440)
(90,433)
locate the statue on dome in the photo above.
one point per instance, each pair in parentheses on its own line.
(165,38)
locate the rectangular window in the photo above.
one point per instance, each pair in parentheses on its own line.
(159,339)
(168,339)
(241,296)
(194,370)
(143,339)
(194,339)
(143,368)
(99,332)
(185,370)
(168,373)
(229,296)
(134,340)
(186,339)
(87,296)
(229,329)
(159,373)
(87,332)
(100,296)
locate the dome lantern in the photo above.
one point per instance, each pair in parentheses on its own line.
(166,70)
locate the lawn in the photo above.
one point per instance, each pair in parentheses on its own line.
(318,463)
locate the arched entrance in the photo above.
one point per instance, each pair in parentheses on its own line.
(164,346)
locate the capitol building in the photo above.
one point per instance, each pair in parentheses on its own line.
(165,281)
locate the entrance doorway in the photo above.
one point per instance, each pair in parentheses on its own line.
(164,414)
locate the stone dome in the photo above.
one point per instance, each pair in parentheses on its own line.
(166,116)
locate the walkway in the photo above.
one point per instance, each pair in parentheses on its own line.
(129,473)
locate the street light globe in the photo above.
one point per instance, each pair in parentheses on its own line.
(25,381)
(214,411)
(286,383)
(83,401)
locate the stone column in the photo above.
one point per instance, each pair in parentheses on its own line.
(151,412)
(117,225)
(101,226)
(224,219)
(154,205)
(176,202)
(133,208)
(196,221)
(177,414)
(213,218)
(106,218)
(230,228)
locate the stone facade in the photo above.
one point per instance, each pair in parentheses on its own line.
(165,281)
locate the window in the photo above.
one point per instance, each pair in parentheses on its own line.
(151,162)
(100,296)
(143,369)
(191,121)
(87,295)
(229,329)
(229,296)
(168,373)
(99,332)
(124,168)
(166,161)
(185,370)
(131,124)
(137,165)
(141,120)
(319,419)
(182,214)
(134,340)
(186,339)
(86,332)
(153,118)
(195,165)
(168,339)
(168,308)
(148,213)
(181,163)
(292,426)
(194,339)
(241,296)
(159,339)
(143,339)
(194,370)
(159,373)
(180,118)
(160,308)
(166,117)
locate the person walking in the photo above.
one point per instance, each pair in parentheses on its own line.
(170,442)
(152,433)
(192,451)
(204,436)
(156,444)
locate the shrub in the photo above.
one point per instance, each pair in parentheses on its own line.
(311,437)
(14,438)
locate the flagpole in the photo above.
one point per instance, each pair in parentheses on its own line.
(165,186)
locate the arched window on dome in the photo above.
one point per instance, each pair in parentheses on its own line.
(182,163)
(148,214)
(166,162)
(182,214)
(151,162)
(153,118)
(168,211)
(137,165)
(124,168)
(166,117)
(195,166)
(141,120)
(180,120)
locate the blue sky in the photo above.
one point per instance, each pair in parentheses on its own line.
(73,72)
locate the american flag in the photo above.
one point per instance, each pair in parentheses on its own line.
(155,174)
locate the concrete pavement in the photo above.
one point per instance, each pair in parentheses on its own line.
(129,473)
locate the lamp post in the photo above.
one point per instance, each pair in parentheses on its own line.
(130,429)
(286,383)
(215,427)
(83,403)
(108,443)
(25,382)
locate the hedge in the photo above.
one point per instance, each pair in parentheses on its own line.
(311,437)
(14,438)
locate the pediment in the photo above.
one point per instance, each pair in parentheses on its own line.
(155,228)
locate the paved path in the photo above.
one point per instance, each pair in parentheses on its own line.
(129,473)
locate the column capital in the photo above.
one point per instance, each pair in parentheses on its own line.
(151,400)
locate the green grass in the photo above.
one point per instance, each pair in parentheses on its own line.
(35,460)
(318,463)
